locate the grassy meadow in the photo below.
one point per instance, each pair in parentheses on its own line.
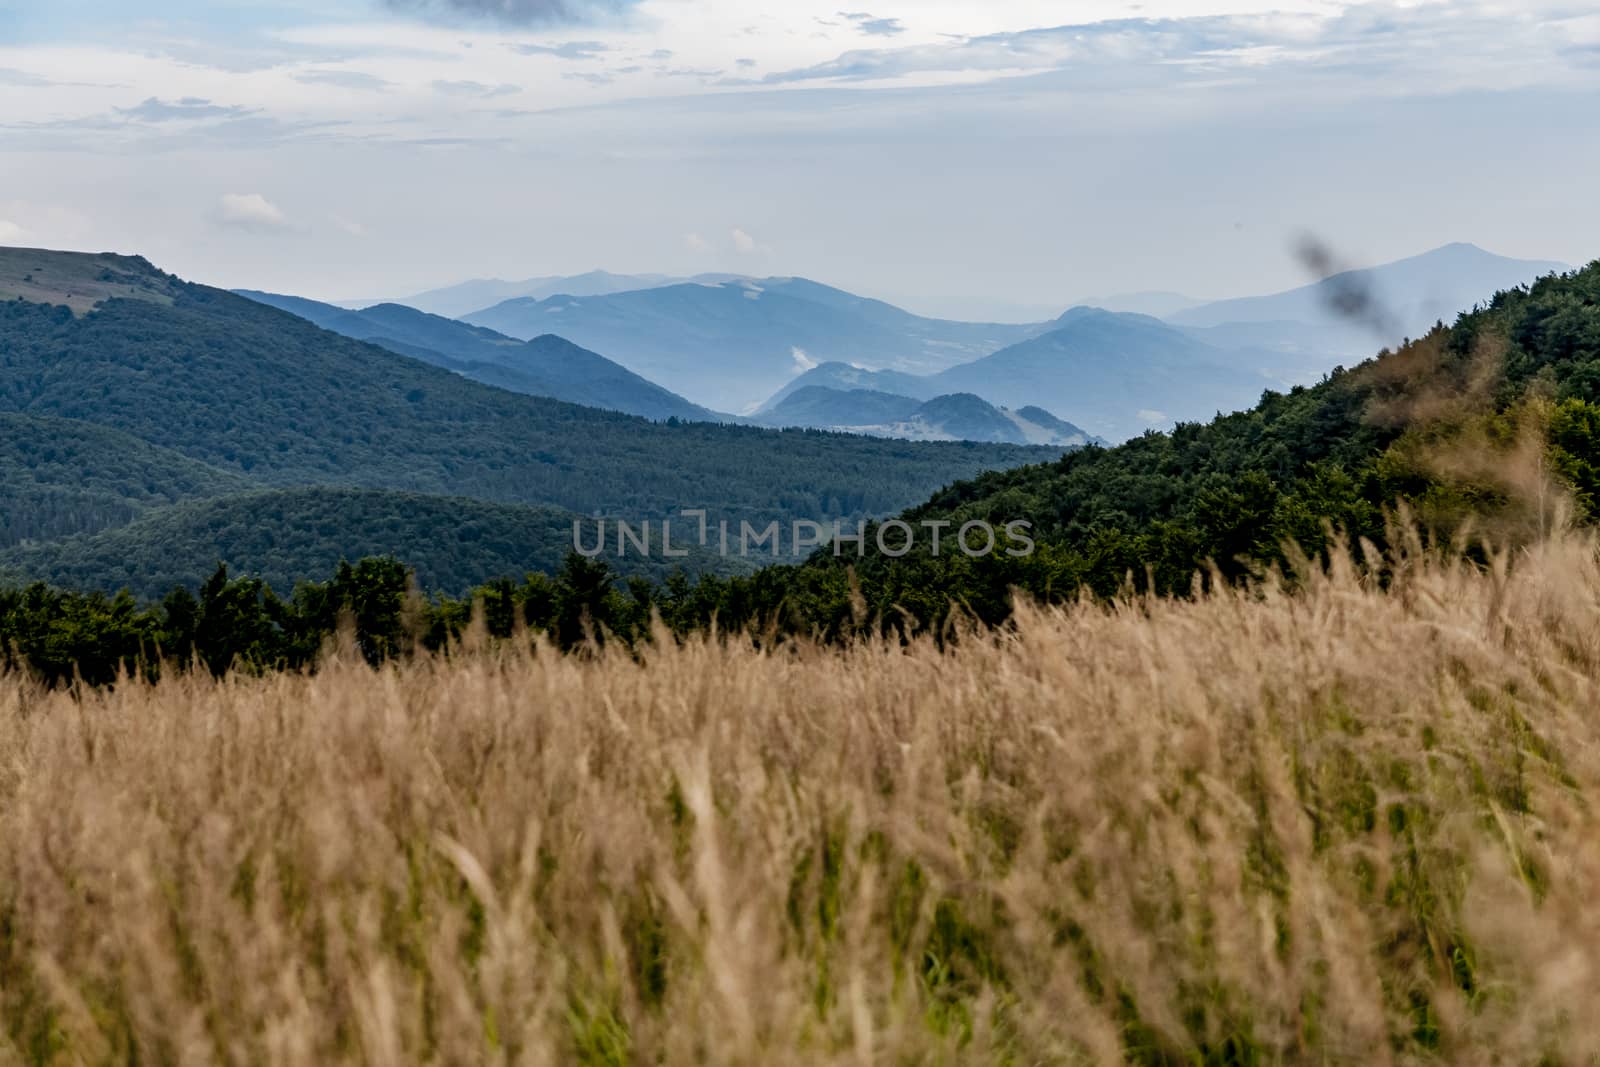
(1355,823)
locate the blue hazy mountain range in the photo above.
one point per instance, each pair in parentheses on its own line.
(955,417)
(546,366)
(731,345)
(1355,312)
(669,347)
(554,367)
(1111,374)
(742,345)
(456,301)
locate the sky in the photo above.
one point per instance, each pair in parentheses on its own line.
(971,158)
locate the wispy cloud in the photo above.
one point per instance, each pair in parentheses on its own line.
(475,89)
(566,50)
(1117,41)
(747,244)
(10,232)
(514,12)
(873,26)
(250,211)
(189,109)
(345,79)
(1373,40)
(1374,37)
(23,78)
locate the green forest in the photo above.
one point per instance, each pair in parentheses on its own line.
(451,543)
(257,393)
(1485,431)
(146,424)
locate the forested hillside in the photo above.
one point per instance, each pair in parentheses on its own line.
(60,477)
(1488,429)
(286,536)
(190,392)
(547,365)
(255,391)
(144,416)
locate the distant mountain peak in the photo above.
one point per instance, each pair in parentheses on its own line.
(1159,303)
(1406,296)
(729,342)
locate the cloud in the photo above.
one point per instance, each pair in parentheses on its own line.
(345,79)
(1367,42)
(8,76)
(250,211)
(566,50)
(514,12)
(872,26)
(690,72)
(477,89)
(1118,41)
(745,243)
(10,232)
(802,361)
(697,244)
(344,225)
(189,109)
(21,78)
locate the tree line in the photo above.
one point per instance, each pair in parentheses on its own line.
(1484,431)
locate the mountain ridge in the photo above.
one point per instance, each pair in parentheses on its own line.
(247,392)
(1406,295)
(547,365)
(964,417)
(731,345)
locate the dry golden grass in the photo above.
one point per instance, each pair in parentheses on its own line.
(1340,826)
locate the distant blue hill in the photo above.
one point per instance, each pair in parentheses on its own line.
(1356,312)
(956,417)
(844,377)
(1112,375)
(731,345)
(454,301)
(545,366)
